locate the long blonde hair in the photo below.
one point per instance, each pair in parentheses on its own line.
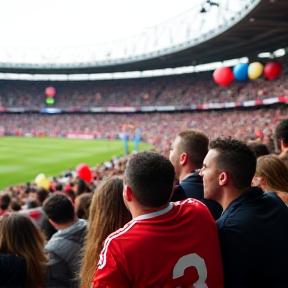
(107,214)
(273,170)
(20,236)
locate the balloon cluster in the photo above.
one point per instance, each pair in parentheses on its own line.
(244,71)
(50,92)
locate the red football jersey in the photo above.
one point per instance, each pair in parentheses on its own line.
(175,247)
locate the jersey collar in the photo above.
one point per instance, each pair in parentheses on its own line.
(155,214)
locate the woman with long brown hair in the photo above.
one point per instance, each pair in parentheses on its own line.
(272,176)
(107,214)
(22,253)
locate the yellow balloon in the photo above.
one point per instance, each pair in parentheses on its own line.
(255,70)
(39,177)
(44,183)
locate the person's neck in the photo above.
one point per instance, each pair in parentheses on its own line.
(138,211)
(284,146)
(229,195)
(67,225)
(185,173)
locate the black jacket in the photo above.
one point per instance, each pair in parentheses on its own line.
(12,271)
(253,233)
(192,187)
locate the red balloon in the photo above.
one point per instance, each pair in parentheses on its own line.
(223,76)
(259,134)
(272,70)
(84,172)
(50,91)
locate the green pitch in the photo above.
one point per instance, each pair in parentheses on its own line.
(22,159)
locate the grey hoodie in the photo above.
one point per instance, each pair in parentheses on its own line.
(65,249)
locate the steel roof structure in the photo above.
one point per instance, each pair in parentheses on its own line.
(262,29)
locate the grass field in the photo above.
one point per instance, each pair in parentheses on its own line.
(22,159)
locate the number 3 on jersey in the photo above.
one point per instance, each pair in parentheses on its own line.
(192,260)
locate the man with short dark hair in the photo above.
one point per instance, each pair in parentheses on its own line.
(187,154)
(166,244)
(253,228)
(64,247)
(281,135)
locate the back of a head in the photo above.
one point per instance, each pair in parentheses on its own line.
(195,144)
(151,178)
(20,236)
(42,194)
(59,187)
(17,233)
(83,205)
(32,204)
(273,170)
(82,187)
(259,149)
(15,204)
(281,131)
(5,201)
(71,194)
(235,158)
(59,209)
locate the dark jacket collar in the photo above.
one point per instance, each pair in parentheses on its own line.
(249,195)
(193,175)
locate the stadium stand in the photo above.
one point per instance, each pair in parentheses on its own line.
(160,107)
(187,89)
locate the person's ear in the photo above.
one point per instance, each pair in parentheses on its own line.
(183,158)
(127,193)
(223,178)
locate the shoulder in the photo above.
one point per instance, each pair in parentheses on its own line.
(57,242)
(193,187)
(178,194)
(191,202)
(276,202)
(80,228)
(83,223)
(192,205)
(252,210)
(193,178)
(13,270)
(53,243)
(118,234)
(8,260)
(111,244)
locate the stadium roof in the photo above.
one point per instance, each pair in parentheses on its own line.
(264,29)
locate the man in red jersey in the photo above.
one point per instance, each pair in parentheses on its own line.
(166,244)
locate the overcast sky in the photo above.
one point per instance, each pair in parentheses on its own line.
(74,22)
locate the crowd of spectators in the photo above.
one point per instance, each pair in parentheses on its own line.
(64,205)
(187,89)
(157,128)
(69,191)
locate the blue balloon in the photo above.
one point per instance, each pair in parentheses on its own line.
(240,72)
